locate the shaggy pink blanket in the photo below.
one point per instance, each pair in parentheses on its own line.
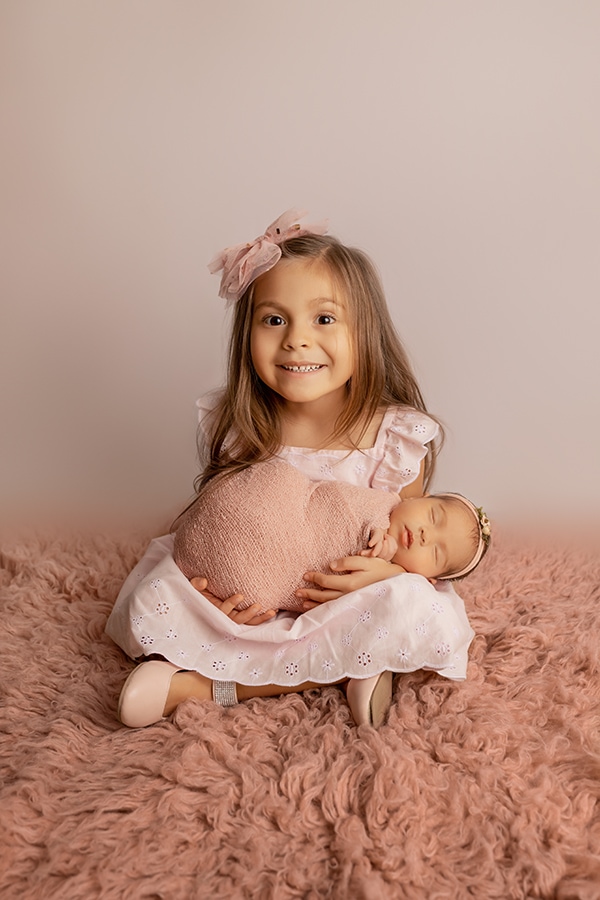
(487,788)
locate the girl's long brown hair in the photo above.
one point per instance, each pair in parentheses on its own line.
(245,425)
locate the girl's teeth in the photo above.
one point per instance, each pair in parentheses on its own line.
(301,368)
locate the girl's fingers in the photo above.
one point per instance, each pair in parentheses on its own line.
(347,564)
(314,578)
(263,617)
(253,615)
(329,582)
(317,595)
(228,606)
(199,583)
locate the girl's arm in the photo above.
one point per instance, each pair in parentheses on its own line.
(360,571)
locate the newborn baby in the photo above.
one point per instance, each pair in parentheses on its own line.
(257,531)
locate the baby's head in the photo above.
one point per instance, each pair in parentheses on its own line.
(440,536)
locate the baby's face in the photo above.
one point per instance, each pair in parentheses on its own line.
(436,536)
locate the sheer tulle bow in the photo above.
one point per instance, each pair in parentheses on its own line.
(244,263)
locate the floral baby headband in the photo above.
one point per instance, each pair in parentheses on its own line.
(244,263)
(485,534)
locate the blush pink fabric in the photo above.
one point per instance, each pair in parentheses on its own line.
(257,531)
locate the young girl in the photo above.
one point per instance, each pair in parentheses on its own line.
(317,376)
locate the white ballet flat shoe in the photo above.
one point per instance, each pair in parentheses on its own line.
(145,693)
(369,699)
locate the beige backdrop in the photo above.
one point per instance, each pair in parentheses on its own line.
(457,142)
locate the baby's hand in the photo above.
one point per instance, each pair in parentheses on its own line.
(376,543)
(381,545)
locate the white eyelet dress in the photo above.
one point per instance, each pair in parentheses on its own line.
(401,624)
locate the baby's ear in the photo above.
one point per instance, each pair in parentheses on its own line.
(432,581)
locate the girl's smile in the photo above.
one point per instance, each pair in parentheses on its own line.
(302,368)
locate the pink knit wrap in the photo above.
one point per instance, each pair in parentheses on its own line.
(258,531)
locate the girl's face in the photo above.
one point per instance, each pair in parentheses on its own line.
(300,339)
(434,536)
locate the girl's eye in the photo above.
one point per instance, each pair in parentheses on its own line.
(273,320)
(325,319)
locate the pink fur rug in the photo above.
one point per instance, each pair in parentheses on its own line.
(486,789)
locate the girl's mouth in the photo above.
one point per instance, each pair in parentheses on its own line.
(312,367)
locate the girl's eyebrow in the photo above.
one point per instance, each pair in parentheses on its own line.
(316,301)
(266,304)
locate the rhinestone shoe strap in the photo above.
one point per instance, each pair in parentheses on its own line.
(224,693)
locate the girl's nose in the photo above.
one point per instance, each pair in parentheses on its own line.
(295,337)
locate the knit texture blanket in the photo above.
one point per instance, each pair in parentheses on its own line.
(258,531)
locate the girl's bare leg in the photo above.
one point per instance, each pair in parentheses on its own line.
(193,684)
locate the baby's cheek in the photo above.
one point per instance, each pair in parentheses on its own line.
(421,564)
(399,558)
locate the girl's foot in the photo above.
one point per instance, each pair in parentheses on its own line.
(187,684)
(155,688)
(369,699)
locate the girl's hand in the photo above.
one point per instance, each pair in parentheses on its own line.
(360,571)
(250,616)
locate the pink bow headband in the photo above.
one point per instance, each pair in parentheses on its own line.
(244,263)
(484,530)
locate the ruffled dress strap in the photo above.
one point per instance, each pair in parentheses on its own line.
(402,441)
